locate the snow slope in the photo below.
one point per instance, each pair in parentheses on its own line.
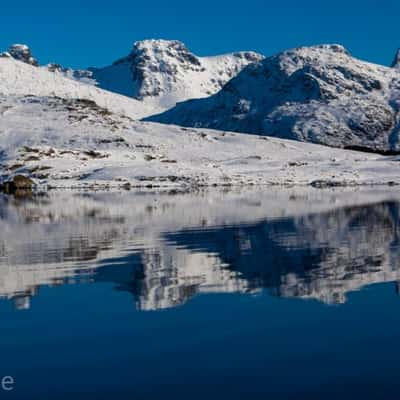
(318,94)
(19,78)
(75,143)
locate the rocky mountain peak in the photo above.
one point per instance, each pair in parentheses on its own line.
(164,72)
(157,64)
(21,52)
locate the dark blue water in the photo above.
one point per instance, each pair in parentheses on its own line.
(292,307)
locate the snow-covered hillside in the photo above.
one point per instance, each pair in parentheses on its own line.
(164,72)
(75,143)
(319,94)
(19,78)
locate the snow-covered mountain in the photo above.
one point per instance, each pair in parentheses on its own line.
(158,73)
(164,72)
(319,94)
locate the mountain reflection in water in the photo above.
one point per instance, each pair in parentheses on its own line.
(165,249)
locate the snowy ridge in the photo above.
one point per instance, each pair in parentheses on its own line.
(81,75)
(21,52)
(319,94)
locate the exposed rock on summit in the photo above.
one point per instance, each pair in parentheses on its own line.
(21,52)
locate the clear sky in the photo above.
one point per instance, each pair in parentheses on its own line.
(82,33)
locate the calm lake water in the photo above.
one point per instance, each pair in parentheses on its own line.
(274,293)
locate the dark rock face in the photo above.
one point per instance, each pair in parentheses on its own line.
(396,61)
(21,52)
(318,94)
(19,185)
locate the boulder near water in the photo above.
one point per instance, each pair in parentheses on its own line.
(19,184)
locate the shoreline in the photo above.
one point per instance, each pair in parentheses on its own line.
(161,189)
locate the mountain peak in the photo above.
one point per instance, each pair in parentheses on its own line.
(160,45)
(396,61)
(21,52)
(157,63)
(155,50)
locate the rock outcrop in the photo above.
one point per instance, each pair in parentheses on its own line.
(21,52)
(18,185)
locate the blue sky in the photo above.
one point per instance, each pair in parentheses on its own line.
(82,33)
